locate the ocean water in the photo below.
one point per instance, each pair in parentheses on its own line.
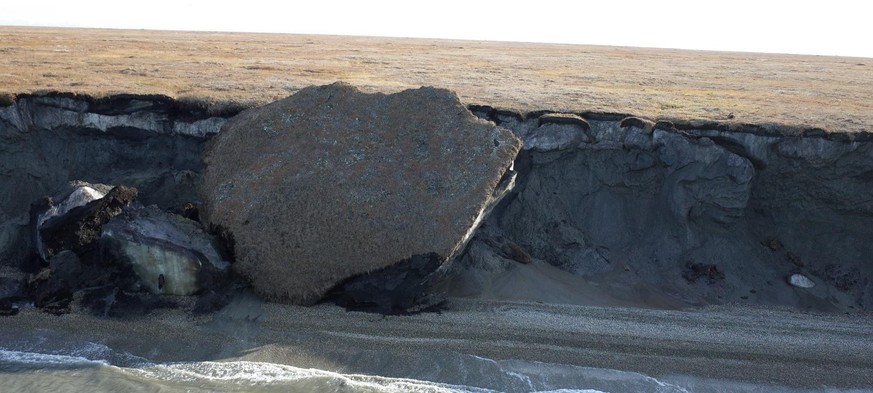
(93,367)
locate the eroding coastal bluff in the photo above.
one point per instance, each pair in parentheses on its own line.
(393,202)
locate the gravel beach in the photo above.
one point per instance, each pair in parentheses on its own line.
(736,344)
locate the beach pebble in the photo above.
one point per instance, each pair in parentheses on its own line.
(800,281)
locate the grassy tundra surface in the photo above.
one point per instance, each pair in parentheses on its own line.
(237,69)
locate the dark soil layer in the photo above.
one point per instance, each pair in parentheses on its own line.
(693,216)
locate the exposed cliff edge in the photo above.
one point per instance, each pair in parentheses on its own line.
(696,213)
(152,143)
(705,215)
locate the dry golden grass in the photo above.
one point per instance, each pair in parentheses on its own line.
(222,69)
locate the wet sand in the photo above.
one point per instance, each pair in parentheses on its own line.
(740,344)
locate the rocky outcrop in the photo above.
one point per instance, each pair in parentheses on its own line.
(331,183)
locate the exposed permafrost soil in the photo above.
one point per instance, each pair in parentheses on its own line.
(646,213)
(700,215)
(784,92)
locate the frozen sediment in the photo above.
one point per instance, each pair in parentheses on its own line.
(628,203)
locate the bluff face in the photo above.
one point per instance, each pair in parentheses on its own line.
(331,183)
(152,143)
(702,214)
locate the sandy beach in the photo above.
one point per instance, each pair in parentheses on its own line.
(727,345)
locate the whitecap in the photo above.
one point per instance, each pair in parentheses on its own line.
(255,374)
(10,357)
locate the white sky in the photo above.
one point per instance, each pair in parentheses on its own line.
(834,27)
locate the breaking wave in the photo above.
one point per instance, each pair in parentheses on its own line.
(95,367)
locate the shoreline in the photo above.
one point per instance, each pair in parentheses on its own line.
(732,343)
